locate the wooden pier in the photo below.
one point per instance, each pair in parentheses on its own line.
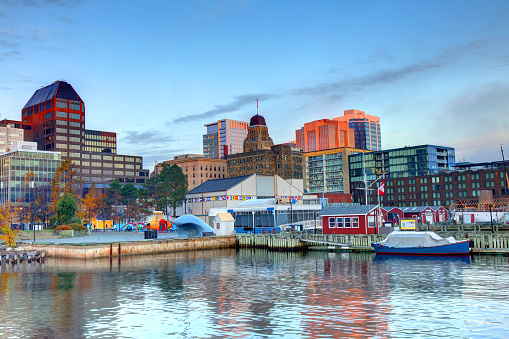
(494,244)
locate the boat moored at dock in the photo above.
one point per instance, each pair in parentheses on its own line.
(420,243)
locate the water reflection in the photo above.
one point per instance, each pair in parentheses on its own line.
(247,293)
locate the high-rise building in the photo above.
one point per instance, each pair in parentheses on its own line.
(223,138)
(324,134)
(327,171)
(366,129)
(406,162)
(355,129)
(58,116)
(262,157)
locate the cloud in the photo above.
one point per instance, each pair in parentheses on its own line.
(2,14)
(351,84)
(146,137)
(11,53)
(6,88)
(66,20)
(333,90)
(237,104)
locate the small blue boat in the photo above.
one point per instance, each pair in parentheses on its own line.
(420,243)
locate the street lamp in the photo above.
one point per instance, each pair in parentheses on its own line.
(31,186)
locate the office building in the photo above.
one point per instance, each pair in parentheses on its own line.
(324,134)
(464,188)
(197,168)
(262,157)
(407,162)
(15,164)
(8,135)
(223,138)
(327,171)
(57,114)
(366,129)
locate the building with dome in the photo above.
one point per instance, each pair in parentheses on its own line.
(262,157)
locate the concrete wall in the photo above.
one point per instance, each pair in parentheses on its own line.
(136,248)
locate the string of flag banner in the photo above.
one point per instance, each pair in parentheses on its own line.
(232,197)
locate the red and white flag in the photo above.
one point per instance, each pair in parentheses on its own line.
(381,189)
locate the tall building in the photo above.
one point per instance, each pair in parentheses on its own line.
(262,157)
(57,114)
(327,171)
(223,138)
(15,164)
(366,129)
(416,161)
(197,168)
(8,135)
(324,134)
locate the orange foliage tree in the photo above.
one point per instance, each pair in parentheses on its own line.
(66,181)
(7,234)
(91,205)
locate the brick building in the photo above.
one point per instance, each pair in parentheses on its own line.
(197,168)
(262,157)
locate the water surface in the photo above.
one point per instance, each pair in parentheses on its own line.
(257,294)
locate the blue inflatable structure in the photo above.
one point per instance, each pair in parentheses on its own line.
(189,225)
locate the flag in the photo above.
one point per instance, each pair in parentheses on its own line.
(381,189)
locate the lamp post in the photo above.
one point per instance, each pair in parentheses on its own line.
(315,222)
(31,185)
(491,219)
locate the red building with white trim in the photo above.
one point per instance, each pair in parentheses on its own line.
(350,219)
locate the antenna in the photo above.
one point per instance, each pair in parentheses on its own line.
(256,106)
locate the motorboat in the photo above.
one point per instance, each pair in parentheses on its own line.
(420,243)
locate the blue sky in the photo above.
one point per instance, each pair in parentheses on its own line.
(154,72)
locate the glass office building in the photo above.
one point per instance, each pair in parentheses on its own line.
(16,164)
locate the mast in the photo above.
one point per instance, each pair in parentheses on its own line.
(505,169)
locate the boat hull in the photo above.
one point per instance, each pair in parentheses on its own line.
(458,248)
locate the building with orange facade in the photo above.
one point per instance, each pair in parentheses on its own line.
(197,168)
(366,129)
(324,134)
(224,137)
(355,129)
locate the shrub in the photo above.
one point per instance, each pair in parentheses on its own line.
(63,228)
(78,227)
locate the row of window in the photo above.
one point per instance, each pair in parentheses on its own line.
(343,222)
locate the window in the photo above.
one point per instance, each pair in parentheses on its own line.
(355,222)
(61,122)
(339,221)
(74,105)
(119,165)
(61,114)
(332,222)
(348,222)
(61,103)
(74,116)
(74,131)
(74,124)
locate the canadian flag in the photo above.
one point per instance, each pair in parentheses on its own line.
(381,189)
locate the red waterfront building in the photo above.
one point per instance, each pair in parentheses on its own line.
(350,219)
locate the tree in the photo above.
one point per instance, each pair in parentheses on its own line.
(7,234)
(167,189)
(42,203)
(66,181)
(91,205)
(112,201)
(129,194)
(66,209)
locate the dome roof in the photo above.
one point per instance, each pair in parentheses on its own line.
(257,120)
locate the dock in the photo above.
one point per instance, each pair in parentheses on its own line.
(14,257)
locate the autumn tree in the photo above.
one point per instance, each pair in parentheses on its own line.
(7,234)
(42,203)
(66,181)
(91,205)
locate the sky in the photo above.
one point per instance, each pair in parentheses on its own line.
(155,72)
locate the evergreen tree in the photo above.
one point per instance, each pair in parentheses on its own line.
(66,209)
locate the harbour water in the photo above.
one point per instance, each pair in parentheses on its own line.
(257,294)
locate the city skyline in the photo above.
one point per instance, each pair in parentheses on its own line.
(155,73)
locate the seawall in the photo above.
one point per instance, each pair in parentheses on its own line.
(107,250)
